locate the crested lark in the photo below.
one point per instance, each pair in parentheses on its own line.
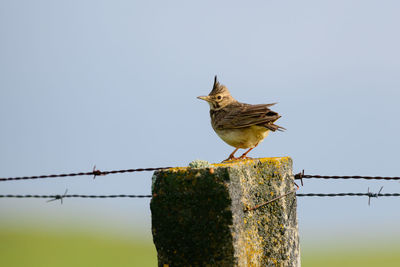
(238,124)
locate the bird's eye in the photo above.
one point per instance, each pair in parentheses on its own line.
(219,97)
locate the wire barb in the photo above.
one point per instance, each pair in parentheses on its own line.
(370,194)
(96,172)
(299,176)
(59,197)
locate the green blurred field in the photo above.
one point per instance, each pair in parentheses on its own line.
(352,257)
(31,248)
(43,248)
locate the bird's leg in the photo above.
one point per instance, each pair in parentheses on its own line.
(245,153)
(232,155)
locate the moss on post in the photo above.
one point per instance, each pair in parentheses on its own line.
(201,216)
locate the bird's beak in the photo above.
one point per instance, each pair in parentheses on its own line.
(206,98)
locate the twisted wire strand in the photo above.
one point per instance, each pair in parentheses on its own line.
(301,175)
(348,194)
(370,194)
(75,196)
(93,173)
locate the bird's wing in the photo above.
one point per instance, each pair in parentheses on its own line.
(247,115)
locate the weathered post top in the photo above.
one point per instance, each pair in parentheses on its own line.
(204,217)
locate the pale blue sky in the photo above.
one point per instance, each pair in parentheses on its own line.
(114,83)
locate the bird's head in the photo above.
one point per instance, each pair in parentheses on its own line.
(219,96)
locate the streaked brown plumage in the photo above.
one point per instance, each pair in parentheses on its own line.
(238,124)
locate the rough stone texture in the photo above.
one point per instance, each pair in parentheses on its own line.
(199,217)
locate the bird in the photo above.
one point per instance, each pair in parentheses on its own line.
(238,124)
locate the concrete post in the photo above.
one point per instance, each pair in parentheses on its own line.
(204,217)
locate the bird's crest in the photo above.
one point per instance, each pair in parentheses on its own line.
(217,87)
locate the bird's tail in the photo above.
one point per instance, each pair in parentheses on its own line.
(274,127)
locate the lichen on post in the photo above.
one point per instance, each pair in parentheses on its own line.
(202,215)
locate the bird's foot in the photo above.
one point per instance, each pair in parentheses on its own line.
(244,157)
(230,159)
(232,156)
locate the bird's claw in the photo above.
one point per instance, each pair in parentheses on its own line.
(244,157)
(230,159)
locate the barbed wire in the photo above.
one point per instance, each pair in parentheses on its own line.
(56,197)
(347,195)
(93,173)
(65,195)
(148,196)
(368,194)
(301,176)
(75,196)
